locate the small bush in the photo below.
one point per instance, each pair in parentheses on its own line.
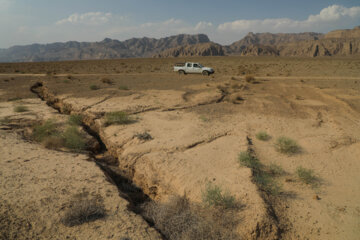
(178,219)
(275,170)
(263,136)
(287,145)
(75,119)
(123,87)
(53,142)
(47,129)
(144,136)
(66,81)
(82,209)
(249,78)
(247,160)
(306,176)
(94,87)
(117,118)
(214,196)
(267,183)
(73,139)
(14,99)
(107,81)
(21,108)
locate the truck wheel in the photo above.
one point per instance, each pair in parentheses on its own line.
(182,72)
(205,73)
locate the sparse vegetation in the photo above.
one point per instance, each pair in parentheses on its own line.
(261,177)
(275,170)
(247,160)
(53,142)
(249,78)
(177,219)
(14,99)
(47,129)
(267,183)
(123,87)
(306,176)
(94,87)
(73,139)
(21,108)
(214,196)
(106,80)
(263,136)
(144,136)
(204,118)
(112,118)
(287,145)
(82,209)
(75,119)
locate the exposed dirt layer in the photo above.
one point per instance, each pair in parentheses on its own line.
(198,126)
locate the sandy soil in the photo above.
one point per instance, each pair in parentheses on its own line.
(200,124)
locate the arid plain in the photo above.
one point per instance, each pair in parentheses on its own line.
(265,148)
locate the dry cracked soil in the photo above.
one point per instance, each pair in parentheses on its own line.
(181,134)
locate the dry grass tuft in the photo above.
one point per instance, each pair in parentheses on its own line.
(82,209)
(249,78)
(21,108)
(179,220)
(116,118)
(306,176)
(287,145)
(106,80)
(263,136)
(94,87)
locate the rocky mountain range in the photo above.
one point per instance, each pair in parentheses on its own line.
(335,43)
(106,49)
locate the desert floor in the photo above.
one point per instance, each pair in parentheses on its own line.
(198,125)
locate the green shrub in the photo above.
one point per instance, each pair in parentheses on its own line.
(21,108)
(75,119)
(263,136)
(247,160)
(94,87)
(117,118)
(306,176)
(287,145)
(47,129)
(267,183)
(275,170)
(214,196)
(73,139)
(123,87)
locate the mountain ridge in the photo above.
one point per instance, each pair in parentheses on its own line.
(343,42)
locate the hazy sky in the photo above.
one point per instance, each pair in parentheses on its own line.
(225,21)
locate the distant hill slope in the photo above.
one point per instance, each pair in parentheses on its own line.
(263,39)
(335,43)
(201,49)
(106,49)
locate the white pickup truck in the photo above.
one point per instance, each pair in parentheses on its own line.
(190,67)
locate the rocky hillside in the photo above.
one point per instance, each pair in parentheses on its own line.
(106,49)
(263,39)
(201,49)
(336,43)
